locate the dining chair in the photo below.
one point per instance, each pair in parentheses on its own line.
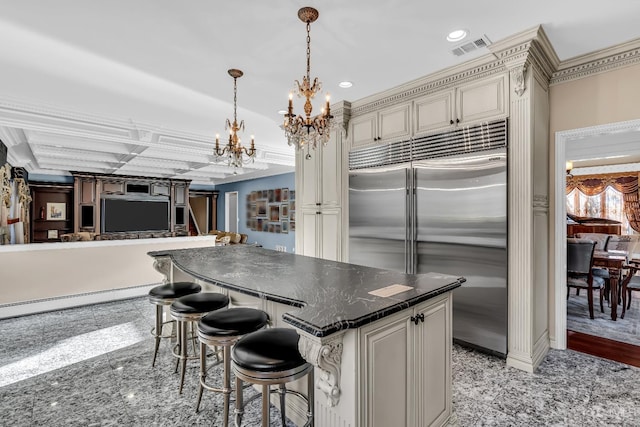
(632,281)
(579,273)
(624,244)
(601,239)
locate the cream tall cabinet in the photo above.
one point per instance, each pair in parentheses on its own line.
(319,198)
(417,343)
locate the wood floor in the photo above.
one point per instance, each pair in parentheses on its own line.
(603,347)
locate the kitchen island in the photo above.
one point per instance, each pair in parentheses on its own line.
(380,340)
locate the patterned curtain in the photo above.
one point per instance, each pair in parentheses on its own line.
(626,183)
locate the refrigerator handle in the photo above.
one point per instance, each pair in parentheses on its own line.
(409,219)
(414,216)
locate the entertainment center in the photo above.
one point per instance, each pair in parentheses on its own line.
(110,207)
(118,206)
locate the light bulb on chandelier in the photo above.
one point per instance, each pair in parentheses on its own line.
(305,130)
(235,154)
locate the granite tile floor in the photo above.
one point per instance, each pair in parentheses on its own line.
(90,366)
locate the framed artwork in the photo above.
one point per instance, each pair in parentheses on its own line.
(271,211)
(52,234)
(56,211)
(274,212)
(261,207)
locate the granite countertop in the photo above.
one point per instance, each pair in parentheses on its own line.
(329,296)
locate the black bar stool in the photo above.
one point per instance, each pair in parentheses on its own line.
(224,329)
(165,295)
(186,311)
(267,358)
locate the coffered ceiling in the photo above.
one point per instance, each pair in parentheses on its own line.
(141,87)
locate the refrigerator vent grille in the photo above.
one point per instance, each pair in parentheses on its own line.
(464,140)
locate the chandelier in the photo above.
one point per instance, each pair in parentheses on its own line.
(307,130)
(233,151)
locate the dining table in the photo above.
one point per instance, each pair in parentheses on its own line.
(613,261)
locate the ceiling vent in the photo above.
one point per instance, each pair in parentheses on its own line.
(470,46)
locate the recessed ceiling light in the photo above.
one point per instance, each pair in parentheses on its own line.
(457,35)
(282,112)
(345,84)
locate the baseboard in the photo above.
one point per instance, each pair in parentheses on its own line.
(68,301)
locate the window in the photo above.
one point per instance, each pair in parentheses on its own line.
(608,204)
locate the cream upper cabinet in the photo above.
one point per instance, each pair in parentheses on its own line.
(483,100)
(433,112)
(387,125)
(418,343)
(467,104)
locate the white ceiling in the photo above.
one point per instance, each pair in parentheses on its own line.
(141,87)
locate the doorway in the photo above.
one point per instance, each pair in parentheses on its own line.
(612,139)
(231,212)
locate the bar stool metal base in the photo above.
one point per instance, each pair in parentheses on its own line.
(224,329)
(165,295)
(266,380)
(187,311)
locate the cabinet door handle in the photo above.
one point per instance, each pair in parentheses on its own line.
(457,120)
(318,213)
(318,204)
(451,121)
(418,318)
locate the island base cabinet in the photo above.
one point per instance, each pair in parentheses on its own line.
(395,371)
(405,371)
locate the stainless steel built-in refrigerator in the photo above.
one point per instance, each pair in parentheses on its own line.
(439,204)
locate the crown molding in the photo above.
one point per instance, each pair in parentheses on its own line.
(476,69)
(530,46)
(611,58)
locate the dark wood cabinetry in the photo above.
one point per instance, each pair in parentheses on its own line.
(91,191)
(52,211)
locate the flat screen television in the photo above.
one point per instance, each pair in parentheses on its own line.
(130,215)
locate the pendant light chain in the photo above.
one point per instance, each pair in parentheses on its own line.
(308,51)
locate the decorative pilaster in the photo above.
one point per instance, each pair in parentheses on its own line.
(529,70)
(326,355)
